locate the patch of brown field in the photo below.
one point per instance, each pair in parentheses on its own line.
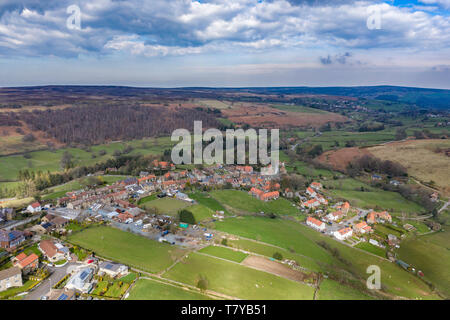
(261,115)
(35,107)
(275,268)
(421,160)
(339,159)
(11,141)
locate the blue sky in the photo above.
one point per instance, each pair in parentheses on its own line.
(170,43)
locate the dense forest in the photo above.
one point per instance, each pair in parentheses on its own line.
(99,124)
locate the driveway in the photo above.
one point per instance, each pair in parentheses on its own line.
(44,287)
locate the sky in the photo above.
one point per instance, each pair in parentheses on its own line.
(225,43)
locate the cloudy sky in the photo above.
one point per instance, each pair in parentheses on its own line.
(171,43)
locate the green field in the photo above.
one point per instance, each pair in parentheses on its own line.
(146,289)
(50,160)
(224,253)
(431,254)
(127,248)
(242,202)
(236,280)
(387,200)
(278,232)
(372,249)
(166,206)
(201,212)
(332,290)
(208,201)
(303,240)
(268,251)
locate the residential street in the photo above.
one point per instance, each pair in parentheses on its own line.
(44,287)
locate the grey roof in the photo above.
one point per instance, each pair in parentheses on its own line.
(8,273)
(110,266)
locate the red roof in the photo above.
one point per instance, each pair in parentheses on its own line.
(35,205)
(28,260)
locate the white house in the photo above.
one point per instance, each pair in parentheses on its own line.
(34,207)
(113,269)
(310,192)
(343,233)
(316,224)
(334,216)
(81,281)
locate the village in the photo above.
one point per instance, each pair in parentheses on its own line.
(33,253)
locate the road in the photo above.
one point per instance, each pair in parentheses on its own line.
(44,287)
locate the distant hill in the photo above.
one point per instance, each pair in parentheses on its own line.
(421,97)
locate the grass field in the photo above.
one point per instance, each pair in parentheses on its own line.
(146,289)
(431,254)
(332,290)
(282,233)
(372,249)
(420,159)
(201,212)
(387,200)
(236,280)
(224,253)
(268,251)
(208,201)
(303,240)
(50,160)
(242,202)
(127,248)
(166,206)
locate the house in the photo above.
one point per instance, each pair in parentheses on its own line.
(376,177)
(310,192)
(362,228)
(10,278)
(334,216)
(374,217)
(316,224)
(270,196)
(62,294)
(113,269)
(7,213)
(81,281)
(34,207)
(343,234)
(53,251)
(311,203)
(316,185)
(345,207)
(26,263)
(11,239)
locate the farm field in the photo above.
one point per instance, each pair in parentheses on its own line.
(391,201)
(420,158)
(242,202)
(147,289)
(372,249)
(224,253)
(205,199)
(50,160)
(236,280)
(278,232)
(429,253)
(297,108)
(127,248)
(200,212)
(167,206)
(328,139)
(332,290)
(304,240)
(268,251)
